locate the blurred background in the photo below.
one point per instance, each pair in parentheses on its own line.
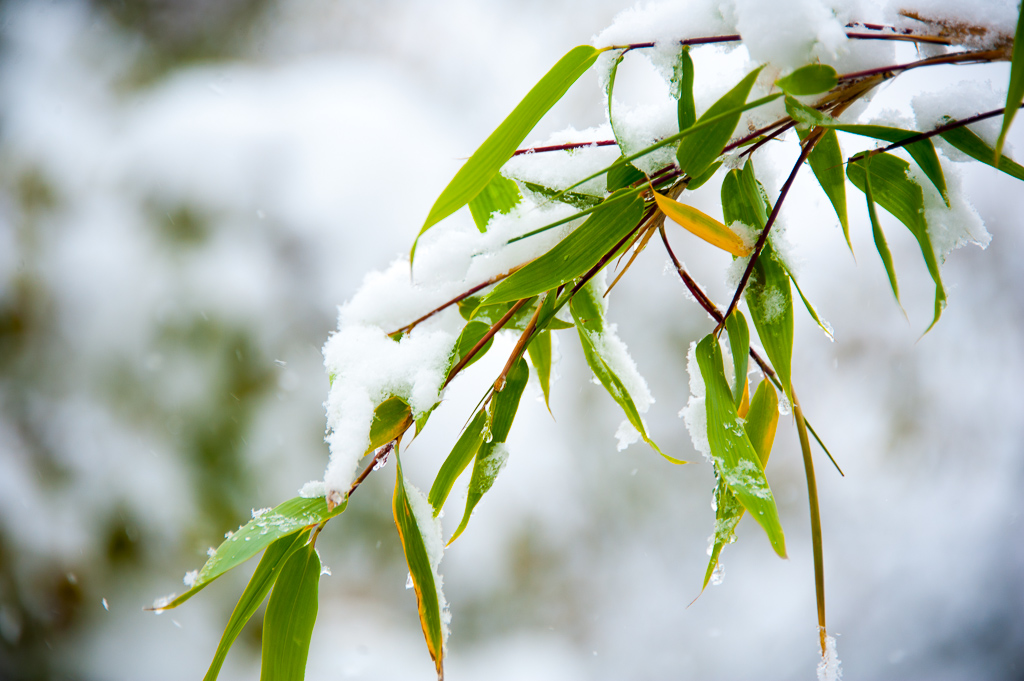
(188,190)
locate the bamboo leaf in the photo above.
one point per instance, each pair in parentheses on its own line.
(490,459)
(573,255)
(419,532)
(969,143)
(610,89)
(922,151)
(255,592)
(540,353)
(291,614)
(826,161)
(256,535)
(461,456)
(697,152)
(500,195)
(505,402)
(623,175)
(485,162)
(588,313)
(1015,89)
(391,418)
(470,336)
(770,302)
(734,455)
(824,326)
(809,80)
(896,192)
(698,181)
(574,199)
(702,225)
(880,243)
(682,82)
(739,344)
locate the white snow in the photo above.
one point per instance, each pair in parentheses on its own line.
(830,667)
(312,489)
(695,414)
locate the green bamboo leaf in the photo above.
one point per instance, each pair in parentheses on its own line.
(824,326)
(265,528)
(574,199)
(391,418)
(733,453)
(735,206)
(588,313)
(255,592)
(500,195)
(291,614)
(698,181)
(770,302)
(809,80)
(623,175)
(610,88)
(826,161)
(490,459)
(419,532)
(760,424)
(1015,90)
(922,151)
(880,243)
(574,255)
(739,344)
(896,192)
(966,141)
(697,152)
(540,353)
(470,336)
(485,162)
(505,402)
(682,82)
(461,455)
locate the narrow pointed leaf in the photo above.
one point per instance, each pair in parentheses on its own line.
(734,455)
(256,535)
(485,162)
(810,308)
(699,181)
(255,593)
(762,420)
(573,255)
(490,459)
(770,301)
(682,81)
(470,336)
(461,456)
(702,225)
(896,192)
(413,529)
(575,199)
(610,89)
(500,195)
(588,314)
(969,143)
(697,152)
(826,161)
(505,402)
(540,353)
(739,345)
(391,418)
(623,176)
(879,236)
(809,80)
(1015,89)
(291,614)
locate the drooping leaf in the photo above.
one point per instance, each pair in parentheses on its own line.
(470,336)
(291,614)
(485,162)
(735,457)
(698,181)
(735,206)
(922,151)
(391,418)
(461,456)
(824,326)
(505,402)
(499,196)
(490,459)
(256,535)
(809,80)
(702,225)
(969,143)
(770,302)
(879,236)
(826,161)
(682,82)
(540,353)
(610,89)
(574,199)
(697,152)
(896,192)
(623,176)
(412,529)
(1015,89)
(588,314)
(255,592)
(573,255)
(739,345)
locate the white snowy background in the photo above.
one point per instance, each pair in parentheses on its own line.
(188,191)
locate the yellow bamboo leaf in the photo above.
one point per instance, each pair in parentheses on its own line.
(702,225)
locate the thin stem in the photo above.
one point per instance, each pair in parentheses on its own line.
(379,456)
(518,350)
(769,138)
(457,299)
(563,147)
(734,38)
(483,341)
(812,498)
(952,125)
(804,153)
(958,58)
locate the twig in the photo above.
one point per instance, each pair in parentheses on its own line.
(457,299)
(563,147)
(958,58)
(483,341)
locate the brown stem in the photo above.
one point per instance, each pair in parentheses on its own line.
(804,153)
(380,455)
(563,147)
(518,350)
(958,58)
(457,299)
(483,341)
